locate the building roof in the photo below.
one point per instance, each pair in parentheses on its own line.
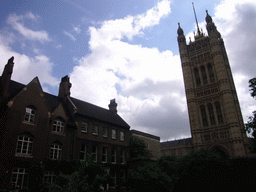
(83,108)
(187,141)
(144,134)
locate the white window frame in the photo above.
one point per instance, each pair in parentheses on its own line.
(58,125)
(105,132)
(55,151)
(19,174)
(113,156)
(104,154)
(24,145)
(121,135)
(49,177)
(30,114)
(113,134)
(84,127)
(95,130)
(83,152)
(94,153)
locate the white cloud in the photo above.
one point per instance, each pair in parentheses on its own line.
(17,23)
(69,35)
(26,67)
(141,79)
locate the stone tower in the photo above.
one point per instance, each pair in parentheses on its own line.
(214,112)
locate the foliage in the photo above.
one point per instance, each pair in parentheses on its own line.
(89,177)
(250,126)
(163,174)
(252,85)
(138,148)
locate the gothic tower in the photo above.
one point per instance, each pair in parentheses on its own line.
(214,112)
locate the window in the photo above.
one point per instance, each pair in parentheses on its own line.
(113,156)
(58,125)
(211,74)
(94,153)
(219,113)
(30,114)
(123,156)
(55,151)
(204,116)
(121,135)
(113,134)
(204,75)
(197,76)
(49,177)
(147,145)
(95,130)
(84,127)
(82,152)
(19,177)
(122,177)
(104,154)
(105,132)
(24,145)
(211,114)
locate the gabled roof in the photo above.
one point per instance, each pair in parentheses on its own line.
(187,141)
(83,108)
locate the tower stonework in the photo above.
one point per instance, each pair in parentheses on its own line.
(214,112)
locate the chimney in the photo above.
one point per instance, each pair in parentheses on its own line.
(6,77)
(112,106)
(64,89)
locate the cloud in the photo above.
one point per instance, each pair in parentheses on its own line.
(141,79)
(25,67)
(69,35)
(17,23)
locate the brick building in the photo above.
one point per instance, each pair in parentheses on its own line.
(36,125)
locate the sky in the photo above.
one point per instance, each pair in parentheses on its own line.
(125,50)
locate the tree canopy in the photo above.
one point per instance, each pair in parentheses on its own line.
(138,148)
(250,126)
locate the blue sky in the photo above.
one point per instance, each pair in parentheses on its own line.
(125,50)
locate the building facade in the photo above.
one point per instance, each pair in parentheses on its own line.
(152,142)
(214,112)
(37,126)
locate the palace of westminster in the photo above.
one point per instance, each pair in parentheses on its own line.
(36,125)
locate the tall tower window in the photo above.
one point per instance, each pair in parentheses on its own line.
(211,74)
(197,76)
(211,114)
(204,75)
(219,113)
(204,116)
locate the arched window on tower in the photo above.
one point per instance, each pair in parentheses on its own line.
(204,116)
(211,74)
(204,75)
(211,113)
(219,113)
(197,76)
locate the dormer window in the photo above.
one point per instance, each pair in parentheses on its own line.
(30,114)
(58,125)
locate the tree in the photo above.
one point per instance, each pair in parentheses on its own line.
(88,177)
(138,148)
(250,126)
